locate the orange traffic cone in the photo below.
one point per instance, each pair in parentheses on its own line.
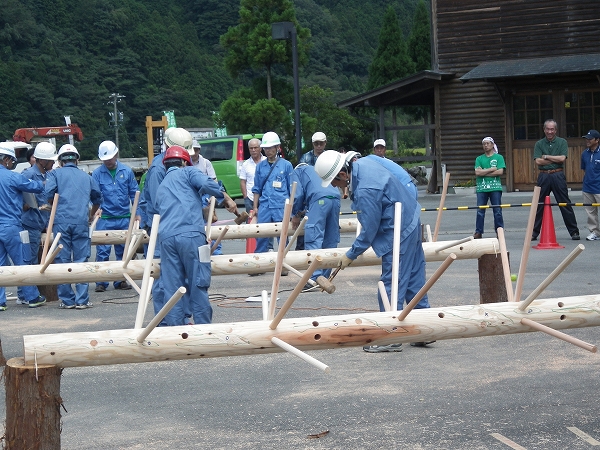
(548,235)
(250,242)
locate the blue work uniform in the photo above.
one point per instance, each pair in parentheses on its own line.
(273,188)
(76,189)
(12,186)
(118,193)
(181,233)
(322,205)
(398,171)
(374,193)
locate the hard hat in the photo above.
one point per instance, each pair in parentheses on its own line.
(180,137)
(107,150)
(68,151)
(45,150)
(351,155)
(270,139)
(177,152)
(378,142)
(7,150)
(319,136)
(328,165)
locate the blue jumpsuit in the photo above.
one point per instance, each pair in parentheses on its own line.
(118,195)
(374,192)
(322,205)
(76,189)
(181,232)
(275,190)
(398,171)
(12,186)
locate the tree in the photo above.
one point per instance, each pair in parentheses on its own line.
(419,41)
(250,45)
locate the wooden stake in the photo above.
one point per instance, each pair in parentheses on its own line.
(49,227)
(300,354)
(265,304)
(54,244)
(396,255)
(145,293)
(527,244)
(560,335)
(132,249)
(211,212)
(297,232)
(505,264)
(133,283)
(218,241)
(132,218)
(441,207)
(50,258)
(384,297)
(428,229)
(451,244)
(161,314)
(280,254)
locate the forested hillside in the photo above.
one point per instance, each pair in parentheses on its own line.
(65,57)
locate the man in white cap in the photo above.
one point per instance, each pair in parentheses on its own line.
(118,185)
(247,172)
(319,141)
(379,148)
(200,162)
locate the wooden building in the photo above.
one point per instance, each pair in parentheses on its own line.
(500,68)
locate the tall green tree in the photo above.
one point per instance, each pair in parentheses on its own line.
(419,41)
(391,61)
(249,44)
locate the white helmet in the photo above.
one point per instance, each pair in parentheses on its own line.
(351,155)
(45,150)
(7,150)
(319,136)
(68,151)
(179,136)
(328,165)
(270,139)
(107,150)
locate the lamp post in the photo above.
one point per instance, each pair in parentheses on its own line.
(287,30)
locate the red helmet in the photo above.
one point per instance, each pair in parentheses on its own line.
(177,152)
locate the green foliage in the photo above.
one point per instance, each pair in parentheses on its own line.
(419,41)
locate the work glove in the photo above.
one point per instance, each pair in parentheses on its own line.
(344,262)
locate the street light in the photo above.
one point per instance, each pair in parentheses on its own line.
(287,30)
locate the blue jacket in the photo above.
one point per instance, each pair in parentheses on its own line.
(590,162)
(12,186)
(398,171)
(275,189)
(374,192)
(118,193)
(179,201)
(154,176)
(308,158)
(309,189)
(76,189)
(34,218)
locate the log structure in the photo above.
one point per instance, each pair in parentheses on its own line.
(307,333)
(224,264)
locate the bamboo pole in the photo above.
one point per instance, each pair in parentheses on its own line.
(49,227)
(132,218)
(144,292)
(161,314)
(396,256)
(93,348)
(505,264)
(300,354)
(441,207)
(560,335)
(527,244)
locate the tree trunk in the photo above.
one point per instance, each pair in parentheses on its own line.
(32,406)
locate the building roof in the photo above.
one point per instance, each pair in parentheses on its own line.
(529,67)
(415,90)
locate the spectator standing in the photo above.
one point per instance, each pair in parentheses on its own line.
(200,162)
(550,154)
(119,187)
(488,169)
(379,148)
(13,240)
(319,141)
(247,172)
(76,190)
(590,164)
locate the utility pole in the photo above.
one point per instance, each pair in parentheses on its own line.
(116,98)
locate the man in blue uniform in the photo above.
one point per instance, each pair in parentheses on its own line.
(118,185)
(12,186)
(76,190)
(182,235)
(374,192)
(322,205)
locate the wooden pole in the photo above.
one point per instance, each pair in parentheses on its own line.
(49,227)
(451,244)
(132,218)
(560,335)
(280,255)
(527,244)
(218,241)
(297,232)
(33,405)
(161,314)
(211,212)
(93,227)
(50,258)
(265,304)
(300,354)
(54,244)
(428,230)
(132,283)
(441,207)
(144,294)
(131,249)
(550,278)
(93,348)
(384,298)
(396,256)
(505,264)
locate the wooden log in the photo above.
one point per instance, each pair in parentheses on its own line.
(222,265)
(307,333)
(32,405)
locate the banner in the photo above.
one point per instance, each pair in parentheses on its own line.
(170,115)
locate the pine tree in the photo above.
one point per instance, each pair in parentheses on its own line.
(419,41)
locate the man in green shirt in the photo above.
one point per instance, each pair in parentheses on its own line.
(488,169)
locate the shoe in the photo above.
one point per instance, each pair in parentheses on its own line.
(85,305)
(592,237)
(20,301)
(123,286)
(534,238)
(62,305)
(575,236)
(100,288)
(382,348)
(477,235)
(310,288)
(256,274)
(421,344)
(39,301)
(284,273)
(3,307)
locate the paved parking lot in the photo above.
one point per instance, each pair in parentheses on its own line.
(526,391)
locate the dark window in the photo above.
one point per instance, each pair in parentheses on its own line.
(530,112)
(582,111)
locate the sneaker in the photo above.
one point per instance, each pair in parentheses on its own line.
(534,237)
(20,301)
(62,305)
(123,285)
(310,288)
(39,301)
(421,344)
(382,348)
(592,237)
(3,307)
(575,236)
(100,288)
(85,305)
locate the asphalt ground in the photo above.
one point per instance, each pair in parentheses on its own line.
(525,391)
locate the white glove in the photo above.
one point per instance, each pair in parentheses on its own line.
(345,262)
